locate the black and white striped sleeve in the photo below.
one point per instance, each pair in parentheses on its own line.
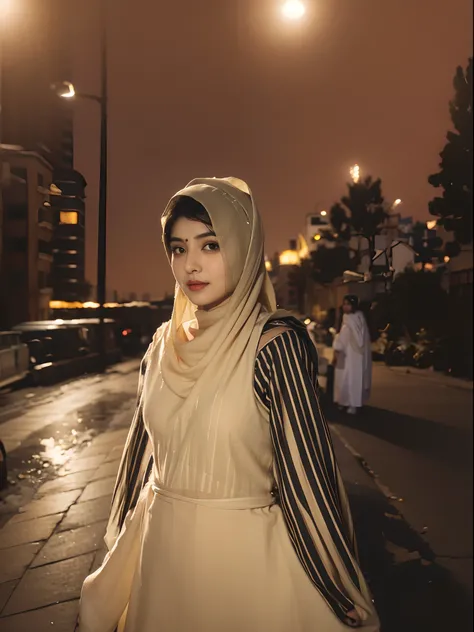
(310,488)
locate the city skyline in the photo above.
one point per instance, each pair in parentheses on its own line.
(288,107)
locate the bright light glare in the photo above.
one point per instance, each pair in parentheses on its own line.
(355,173)
(397,202)
(293,10)
(69,91)
(289,258)
(5,6)
(431,225)
(324,213)
(64,89)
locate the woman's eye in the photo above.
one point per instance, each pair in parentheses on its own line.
(212,246)
(177,250)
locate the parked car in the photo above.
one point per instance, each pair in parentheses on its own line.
(52,342)
(14,358)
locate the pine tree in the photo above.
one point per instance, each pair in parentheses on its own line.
(362,212)
(454,208)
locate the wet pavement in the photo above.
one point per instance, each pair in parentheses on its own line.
(64,446)
(43,429)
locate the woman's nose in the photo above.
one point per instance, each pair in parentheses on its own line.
(192,264)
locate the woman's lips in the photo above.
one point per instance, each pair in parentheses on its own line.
(195,286)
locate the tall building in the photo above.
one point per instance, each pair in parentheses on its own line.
(69,237)
(35,56)
(28,224)
(317,227)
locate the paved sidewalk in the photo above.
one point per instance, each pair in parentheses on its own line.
(56,540)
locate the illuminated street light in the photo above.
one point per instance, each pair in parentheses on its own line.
(293,10)
(355,173)
(324,213)
(65,89)
(397,203)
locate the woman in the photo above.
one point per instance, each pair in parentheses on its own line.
(352,358)
(229,513)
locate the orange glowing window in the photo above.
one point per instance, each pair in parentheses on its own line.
(68,217)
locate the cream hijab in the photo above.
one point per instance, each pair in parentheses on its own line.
(224,331)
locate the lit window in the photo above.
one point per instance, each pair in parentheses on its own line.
(68,217)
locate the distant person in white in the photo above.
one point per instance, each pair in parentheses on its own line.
(352,358)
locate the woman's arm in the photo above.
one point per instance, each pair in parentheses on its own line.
(311,493)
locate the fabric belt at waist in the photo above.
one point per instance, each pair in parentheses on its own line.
(218,503)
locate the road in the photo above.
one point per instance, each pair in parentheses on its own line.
(416,435)
(415,438)
(406,460)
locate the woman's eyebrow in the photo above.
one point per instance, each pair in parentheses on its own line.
(210,233)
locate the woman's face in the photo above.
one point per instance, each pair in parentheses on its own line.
(197,263)
(347,307)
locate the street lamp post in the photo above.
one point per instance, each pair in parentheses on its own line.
(67,90)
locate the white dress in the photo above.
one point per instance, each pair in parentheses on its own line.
(353,374)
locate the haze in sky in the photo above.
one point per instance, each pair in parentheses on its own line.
(225,87)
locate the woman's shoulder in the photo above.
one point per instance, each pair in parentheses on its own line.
(285,333)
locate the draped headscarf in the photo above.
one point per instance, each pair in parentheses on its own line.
(223,333)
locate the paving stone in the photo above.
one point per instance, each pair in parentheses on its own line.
(61,617)
(6,590)
(95,450)
(67,483)
(111,438)
(80,465)
(46,585)
(115,454)
(106,470)
(97,489)
(82,514)
(14,534)
(67,544)
(15,561)
(51,504)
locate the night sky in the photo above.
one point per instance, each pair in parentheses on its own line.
(224,87)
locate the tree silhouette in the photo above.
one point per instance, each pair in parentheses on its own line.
(454,208)
(361,212)
(330,263)
(426,244)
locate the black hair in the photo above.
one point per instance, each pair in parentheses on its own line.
(353,300)
(189,208)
